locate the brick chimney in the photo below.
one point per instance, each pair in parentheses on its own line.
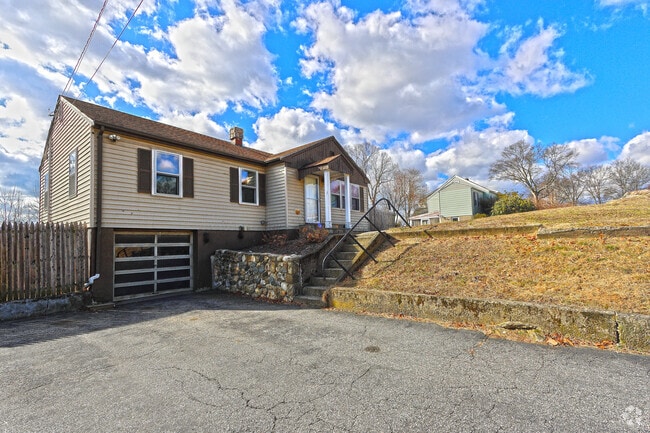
(237,136)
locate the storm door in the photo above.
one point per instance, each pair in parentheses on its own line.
(312,208)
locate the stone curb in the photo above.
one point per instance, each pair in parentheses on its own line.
(594,232)
(536,228)
(628,330)
(41,307)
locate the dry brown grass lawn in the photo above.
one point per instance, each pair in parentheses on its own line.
(599,272)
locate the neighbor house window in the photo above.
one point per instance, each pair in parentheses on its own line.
(72,174)
(337,191)
(167,173)
(248,186)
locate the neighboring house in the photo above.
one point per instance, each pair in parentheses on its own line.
(159,200)
(458,199)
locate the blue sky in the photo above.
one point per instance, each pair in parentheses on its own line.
(442,85)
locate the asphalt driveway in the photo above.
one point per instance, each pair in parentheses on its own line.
(219,363)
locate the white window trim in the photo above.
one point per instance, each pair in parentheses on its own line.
(257,187)
(154,173)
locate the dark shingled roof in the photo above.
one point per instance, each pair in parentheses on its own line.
(139,126)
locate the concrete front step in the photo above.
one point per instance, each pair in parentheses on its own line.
(333,272)
(310,301)
(312,296)
(323,281)
(350,248)
(333,264)
(346,255)
(313,291)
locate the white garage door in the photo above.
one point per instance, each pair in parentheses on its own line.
(151,263)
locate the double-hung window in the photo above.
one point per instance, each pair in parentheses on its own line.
(337,192)
(167,173)
(72,174)
(355,198)
(248,186)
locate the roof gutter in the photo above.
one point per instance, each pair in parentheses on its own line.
(165,140)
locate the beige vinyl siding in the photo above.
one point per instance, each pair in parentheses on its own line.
(276,197)
(295,199)
(210,209)
(70,130)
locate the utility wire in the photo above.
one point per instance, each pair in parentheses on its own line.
(114,43)
(85,49)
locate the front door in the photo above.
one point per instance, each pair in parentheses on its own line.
(312,208)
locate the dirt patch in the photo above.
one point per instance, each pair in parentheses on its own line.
(297,246)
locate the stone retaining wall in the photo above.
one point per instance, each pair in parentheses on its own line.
(270,276)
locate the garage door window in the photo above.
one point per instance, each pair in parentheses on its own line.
(151,263)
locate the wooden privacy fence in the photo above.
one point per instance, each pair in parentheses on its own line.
(38,260)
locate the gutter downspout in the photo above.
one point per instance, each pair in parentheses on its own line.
(98,198)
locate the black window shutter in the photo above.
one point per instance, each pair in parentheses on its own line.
(261,177)
(144,171)
(361,200)
(188,177)
(234,184)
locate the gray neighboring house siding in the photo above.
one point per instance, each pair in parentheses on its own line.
(458,198)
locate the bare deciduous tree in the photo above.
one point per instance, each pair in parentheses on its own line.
(406,190)
(570,188)
(14,206)
(376,163)
(533,166)
(628,175)
(596,183)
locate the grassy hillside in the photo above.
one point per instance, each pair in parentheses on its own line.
(632,210)
(599,271)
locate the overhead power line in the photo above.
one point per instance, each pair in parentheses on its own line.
(114,43)
(85,49)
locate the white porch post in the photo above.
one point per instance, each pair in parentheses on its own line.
(348,202)
(328,199)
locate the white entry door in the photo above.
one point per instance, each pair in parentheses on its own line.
(312,208)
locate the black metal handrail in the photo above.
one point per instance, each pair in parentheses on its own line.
(348,234)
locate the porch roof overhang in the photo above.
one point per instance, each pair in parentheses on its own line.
(335,164)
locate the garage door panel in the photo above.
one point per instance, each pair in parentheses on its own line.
(150,263)
(140,289)
(172,263)
(140,251)
(134,265)
(135,277)
(134,238)
(168,285)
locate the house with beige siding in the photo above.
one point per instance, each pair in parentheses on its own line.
(159,200)
(457,199)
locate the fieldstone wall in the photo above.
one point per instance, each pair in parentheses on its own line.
(270,276)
